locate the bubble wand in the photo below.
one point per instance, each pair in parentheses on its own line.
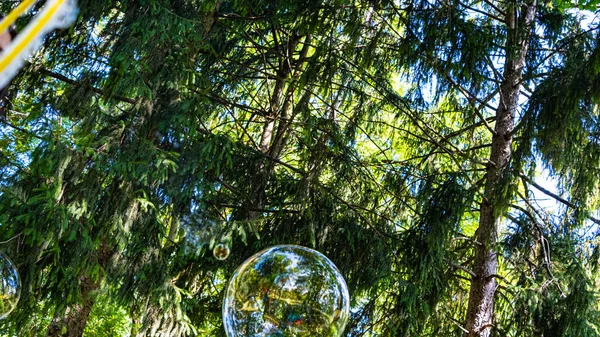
(55,14)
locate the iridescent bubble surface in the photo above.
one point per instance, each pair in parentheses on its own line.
(221,251)
(10,286)
(286,291)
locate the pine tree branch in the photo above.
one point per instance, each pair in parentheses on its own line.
(496,8)
(254,209)
(470,98)
(284,164)
(226,61)
(358,208)
(67,80)
(488,14)
(11,162)
(465,269)
(559,46)
(556,197)
(542,239)
(7,123)
(498,77)
(397,102)
(478,147)
(467,128)
(218,99)
(9,240)
(458,324)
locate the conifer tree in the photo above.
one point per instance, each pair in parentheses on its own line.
(403,139)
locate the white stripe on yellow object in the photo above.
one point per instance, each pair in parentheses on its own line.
(14,15)
(55,14)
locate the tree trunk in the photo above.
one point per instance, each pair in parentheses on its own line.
(276,109)
(279,105)
(479,319)
(136,322)
(73,322)
(285,119)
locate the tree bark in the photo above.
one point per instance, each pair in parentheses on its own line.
(279,105)
(72,323)
(286,119)
(479,319)
(276,108)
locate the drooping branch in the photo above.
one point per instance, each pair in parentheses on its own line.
(101,92)
(556,197)
(7,123)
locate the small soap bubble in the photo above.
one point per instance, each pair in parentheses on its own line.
(10,286)
(221,251)
(286,291)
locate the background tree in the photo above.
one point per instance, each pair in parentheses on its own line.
(404,140)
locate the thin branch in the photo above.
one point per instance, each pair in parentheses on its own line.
(264,210)
(542,239)
(470,99)
(466,270)
(9,240)
(556,197)
(489,15)
(496,8)
(563,43)
(7,123)
(458,324)
(67,80)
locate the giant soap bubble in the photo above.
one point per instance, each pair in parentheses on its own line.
(10,286)
(287,291)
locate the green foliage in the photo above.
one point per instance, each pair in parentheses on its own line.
(153,130)
(107,319)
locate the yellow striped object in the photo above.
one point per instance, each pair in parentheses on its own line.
(55,14)
(14,15)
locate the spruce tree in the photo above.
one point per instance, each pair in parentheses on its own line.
(402,139)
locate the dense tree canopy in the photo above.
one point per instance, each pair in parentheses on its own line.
(412,142)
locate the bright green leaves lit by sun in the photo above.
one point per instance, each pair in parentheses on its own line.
(288,291)
(10,286)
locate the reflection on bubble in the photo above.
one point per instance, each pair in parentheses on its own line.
(287,291)
(221,251)
(10,286)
